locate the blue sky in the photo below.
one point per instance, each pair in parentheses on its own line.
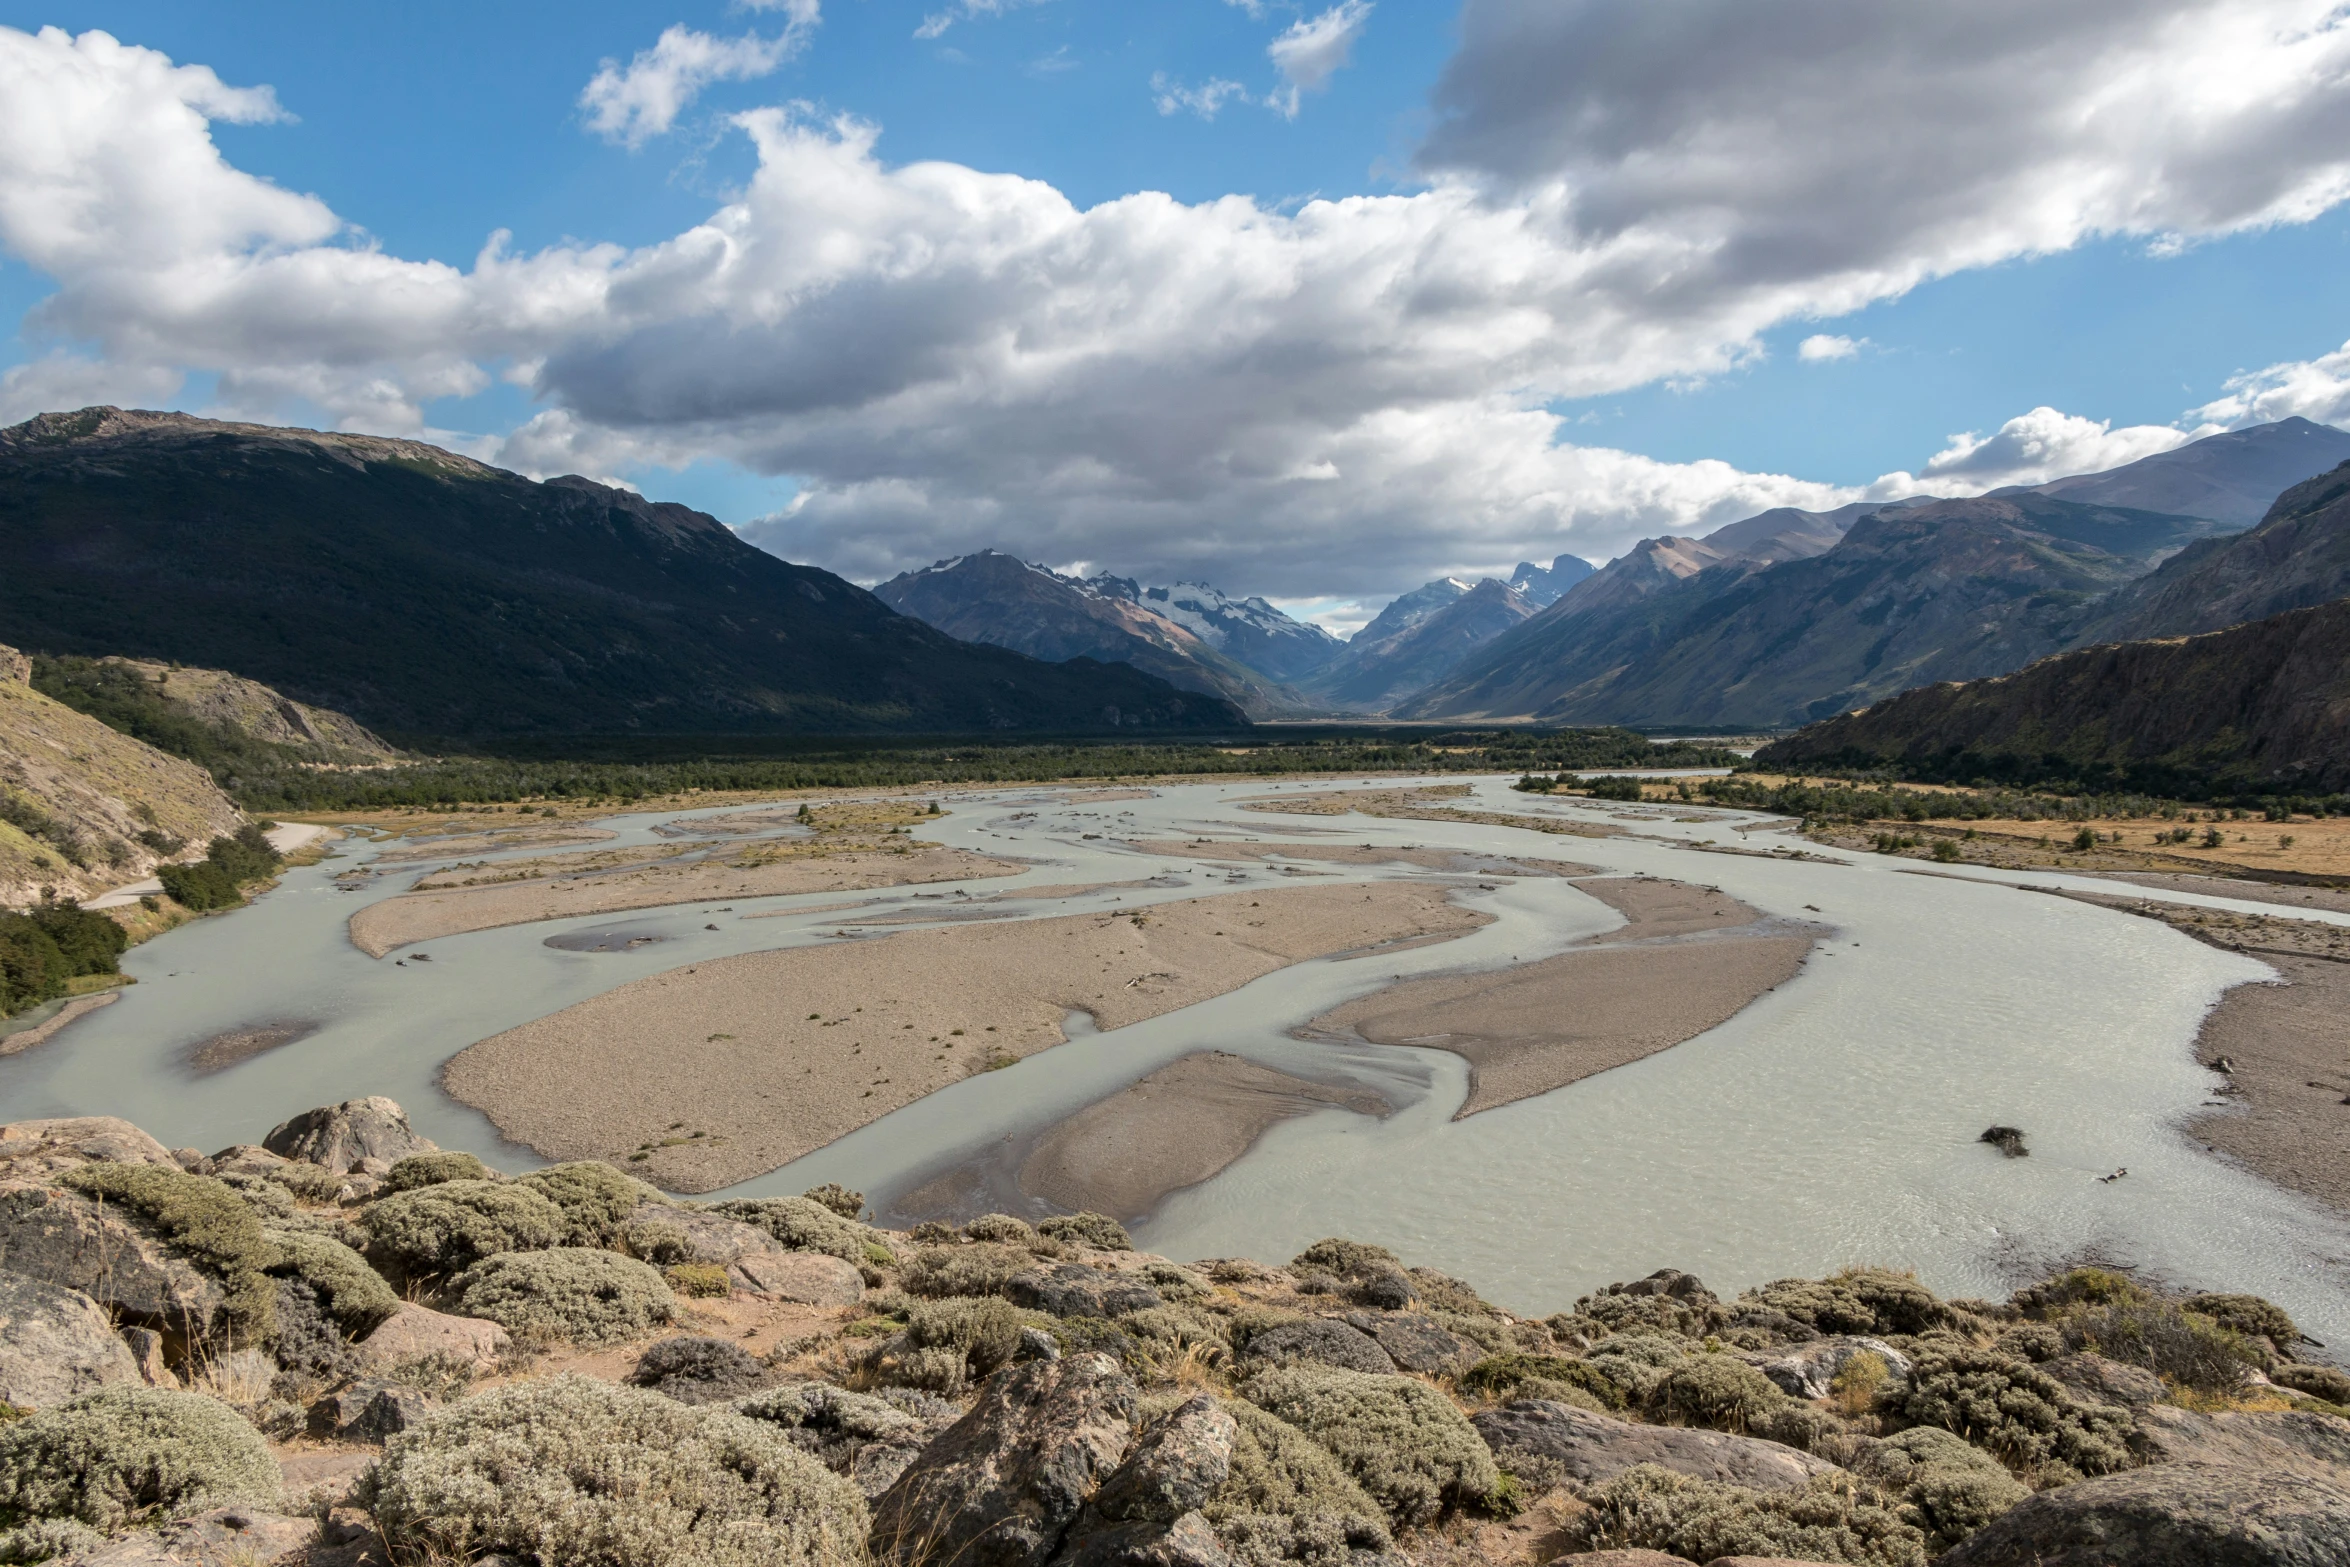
(427,126)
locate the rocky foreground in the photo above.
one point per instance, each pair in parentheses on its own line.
(344,1346)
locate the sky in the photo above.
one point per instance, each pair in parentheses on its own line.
(1312,301)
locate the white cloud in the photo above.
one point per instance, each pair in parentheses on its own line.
(636,102)
(967,11)
(2034,448)
(1824,346)
(1314,49)
(2316,389)
(1204,100)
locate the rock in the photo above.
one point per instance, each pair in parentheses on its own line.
(1808,1370)
(2278,1439)
(2171,1515)
(416,1332)
(146,1347)
(56,1343)
(1325,1341)
(1075,1290)
(1187,1542)
(1037,1344)
(809,1277)
(1416,1342)
(247,1159)
(1594,1449)
(870,1440)
(367,1411)
(225,1537)
(2096,1380)
(1003,1485)
(66,1238)
(1669,1282)
(31,1150)
(1174,1469)
(339,1136)
(1630,1557)
(191,1161)
(319,1478)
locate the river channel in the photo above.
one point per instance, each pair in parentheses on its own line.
(1832,1121)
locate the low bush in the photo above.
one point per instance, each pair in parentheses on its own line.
(657,1241)
(1510,1376)
(981,1269)
(1347,1259)
(1648,1508)
(702,1280)
(45,1539)
(204,1221)
(353,1294)
(449,1227)
(2185,1349)
(804,1225)
(1715,1391)
(121,1454)
(1097,1230)
(1287,1499)
(566,1294)
(591,1475)
(1948,1489)
(1403,1441)
(311,1352)
(849,1205)
(1857,1300)
(1636,1363)
(983,1330)
(699,1370)
(1001,1227)
(595,1198)
(2322,1382)
(431,1169)
(2246,1314)
(2011,1409)
(2078,1287)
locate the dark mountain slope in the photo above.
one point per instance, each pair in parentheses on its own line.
(1002,601)
(2298,556)
(1378,672)
(1949,590)
(2230,478)
(428,594)
(2263,705)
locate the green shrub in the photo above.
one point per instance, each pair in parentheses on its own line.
(1345,1258)
(1000,1227)
(2184,1348)
(2011,1409)
(1857,1300)
(849,1205)
(350,1291)
(2246,1314)
(1402,1440)
(568,1294)
(431,1169)
(2319,1382)
(1287,1499)
(981,1269)
(206,1222)
(803,1225)
(308,1182)
(983,1330)
(45,1539)
(1648,1508)
(1161,1336)
(696,1369)
(450,1227)
(595,1198)
(657,1241)
(2079,1287)
(1947,1488)
(1443,1292)
(1510,1376)
(1716,1391)
(591,1475)
(120,1454)
(1097,1230)
(1636,1363)
(702,1280)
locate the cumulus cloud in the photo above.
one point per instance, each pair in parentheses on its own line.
(1823,346)
(1340,399)
(2034,448)
(1314,49)
(1171,96)
(633,103)
(2316,389)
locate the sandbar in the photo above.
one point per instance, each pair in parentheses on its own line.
(1175,1128)
(80,1006)
(703,1077)
(383,927)
(1687,959)
(1424,805)
(492,841)
(1458,862)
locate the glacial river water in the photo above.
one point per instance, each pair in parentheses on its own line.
(1833,1121)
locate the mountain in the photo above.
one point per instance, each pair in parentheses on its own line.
(2263,705)
(1383,667)
(2230,478)
(1939,591)
(1002,601)
(425,593)
(83,808)
(1248,631)
(1542,585)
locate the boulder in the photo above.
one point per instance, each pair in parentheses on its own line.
(1416,1342)
(870,1440)
(1325,1341)
(1187,1542)
(416,1332)
(146,1347)
(1809,1370)
(2279,1439)
(1593,1449)
(33,1150)
(224,1537)
(808,1277)
(339,1136)
(1179,1463)
(72,1240)
(55,1343)
(2171,1515)
(1075,1290)
(1002,1486)
(246,1159)
(367,1411)
(2096,1380)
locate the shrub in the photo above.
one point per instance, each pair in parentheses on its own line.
(702,1280)
(963,1270)
(567,1293)
(1402,1441)
(111,1457)
(45,1539)
(451,1226)
(1097,1230)
(2034,1341)
(2320,1382)
(984,1331)
(2183,1348)
(849,1205)
(698,1370)
(2079,1287)
(595,1198)
(999,1227)
(431,1169)
(2013,1410)
(1504,1377)
(1348,1259)
(592,1475)
(311,1353)
(308,1182)
(1857,1300)
(2246,1314)
(1716,1391)
(1948,1489)
(657,1241)
(803,1225)
(1636,1363)
(1287,1499)
(1654,1509)
(206,1222)
(348,1290)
